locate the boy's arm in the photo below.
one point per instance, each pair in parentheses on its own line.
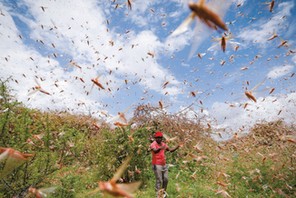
(175,148)
(156,150)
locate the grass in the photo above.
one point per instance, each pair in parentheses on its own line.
(73,155)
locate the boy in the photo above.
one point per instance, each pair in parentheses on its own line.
(159,165)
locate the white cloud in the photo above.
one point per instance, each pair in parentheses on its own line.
(294,59)
(136,14)
(84,39)
(260,31)
(237,119)
(277,72)
(79,30)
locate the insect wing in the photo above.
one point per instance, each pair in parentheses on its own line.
(121,170)
(130,187)
(220,7)
(4,156)
(92,86)
(214,47)
(37,82)
(200,34)
(10,164)
(32,92)
(258,85)
(46,191)
(184,25)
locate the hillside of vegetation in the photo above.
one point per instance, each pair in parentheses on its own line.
(71,153)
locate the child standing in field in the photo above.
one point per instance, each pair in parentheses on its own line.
(159,166)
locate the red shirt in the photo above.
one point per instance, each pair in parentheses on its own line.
(158,158)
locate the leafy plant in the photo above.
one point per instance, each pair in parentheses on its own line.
(72,155)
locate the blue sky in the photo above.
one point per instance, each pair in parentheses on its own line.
(133,52)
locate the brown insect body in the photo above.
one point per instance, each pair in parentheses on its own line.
(119,190)
(271,91)
(223,43)
(283,43)
(120,124)
(165,84)
(43,91)
(38,88)
(272,37)
(207,16)
(96,82)
(35,192)
(12,159)
(160,104)
(122,116)
(271,6)
(129,4)
(250,96)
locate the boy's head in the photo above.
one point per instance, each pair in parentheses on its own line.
(158,136)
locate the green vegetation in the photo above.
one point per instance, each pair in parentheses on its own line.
(72,155)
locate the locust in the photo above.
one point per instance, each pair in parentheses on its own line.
(119,189)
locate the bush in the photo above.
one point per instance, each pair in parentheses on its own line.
(72,155)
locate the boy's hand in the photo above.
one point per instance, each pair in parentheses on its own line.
(162,147)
